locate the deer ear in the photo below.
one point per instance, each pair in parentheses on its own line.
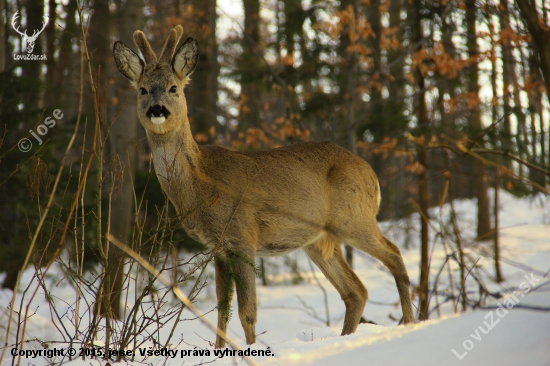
(127,62)
(185,59)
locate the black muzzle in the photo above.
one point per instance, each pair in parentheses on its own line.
(158,111)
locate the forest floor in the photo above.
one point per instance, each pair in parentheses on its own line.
(509,328)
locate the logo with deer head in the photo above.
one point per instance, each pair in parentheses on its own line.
(28,41)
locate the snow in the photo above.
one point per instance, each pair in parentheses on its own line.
(292,318)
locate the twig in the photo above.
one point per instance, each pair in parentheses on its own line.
(178,293)
(519,306)
(464,281)
(476,154)
(486,131)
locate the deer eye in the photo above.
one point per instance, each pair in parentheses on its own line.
(173,89)
(143,91)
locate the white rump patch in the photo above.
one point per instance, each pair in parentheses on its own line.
(158,120)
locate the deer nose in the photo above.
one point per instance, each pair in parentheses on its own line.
(156,110)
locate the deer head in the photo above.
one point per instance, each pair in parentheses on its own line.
(28,41)
(161,102)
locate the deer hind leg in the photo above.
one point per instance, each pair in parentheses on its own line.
(394,261)
(381,248)
(349,286)
(237,267)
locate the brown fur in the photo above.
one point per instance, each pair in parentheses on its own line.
(143,45)
(170,45)
(326,245)
(265,203)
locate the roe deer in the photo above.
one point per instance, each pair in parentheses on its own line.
(312,195)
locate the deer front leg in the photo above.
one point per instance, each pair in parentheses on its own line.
(245,281)
(224,294)
(237,266)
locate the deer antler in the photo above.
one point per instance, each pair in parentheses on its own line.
(145,48)
(13,19)
(170,45)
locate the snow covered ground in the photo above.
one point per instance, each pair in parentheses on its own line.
(292,318)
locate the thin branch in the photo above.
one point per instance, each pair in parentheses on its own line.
(464,281)
(513,157)
(162,278)
(519,306)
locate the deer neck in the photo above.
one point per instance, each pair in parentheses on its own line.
(176,157)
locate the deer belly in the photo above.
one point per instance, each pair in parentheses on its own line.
(276,249)
(287,243)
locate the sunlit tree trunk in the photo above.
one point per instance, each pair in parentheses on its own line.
(494,134)
(423,130)
(481,183)
(521,136)
(536,109)
(507,71)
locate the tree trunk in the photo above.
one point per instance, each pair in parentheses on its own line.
(292,27)
(122,137)
(49,92)
(63,84)
(376,122)
(521,136)
(481,184)
(536,113)
(543,136)
(9,31)
(99,50)
(3,37)
(250,98)
(202,97)
(424,235)
(528,12)
(32,70)
(498,272)
(423,129)
(348,92)
(507,71)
